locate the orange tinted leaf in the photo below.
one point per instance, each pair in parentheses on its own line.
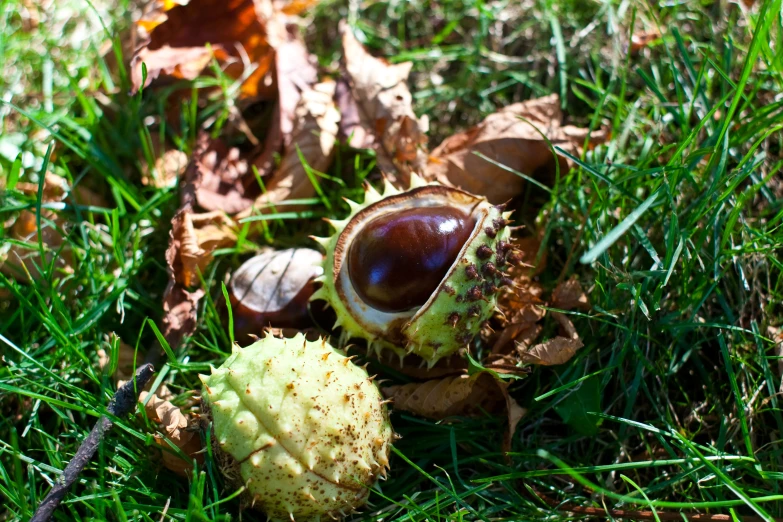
(177,46)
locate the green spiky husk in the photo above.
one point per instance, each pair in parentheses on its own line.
(453,315)
(306,430)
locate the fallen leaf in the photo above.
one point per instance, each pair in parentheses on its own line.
(225,178)
(450,396)
(180,313)
(520,308)
(273,288)
(168,168)
(294,75)
(569,295)
(218,173)
(195,237)
(180,429)
(314,135)
(459,395)
(557,350)
(184,39)
(511,137)
(375,104)
(189,251)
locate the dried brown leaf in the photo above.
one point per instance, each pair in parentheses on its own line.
(642,39)
(179,38)
(511,137)
(455,395)
(459,395)
(194,238)
(180,313)
(557,350)
(218,173)
(313,136)
(178,428)
(520,308)
(224,178)
(569,295)
(377,112)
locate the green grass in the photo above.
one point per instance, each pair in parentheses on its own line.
(675,226)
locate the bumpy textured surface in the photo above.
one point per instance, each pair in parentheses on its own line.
(306,427)
(464,299)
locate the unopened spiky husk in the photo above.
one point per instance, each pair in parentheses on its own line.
(306,428)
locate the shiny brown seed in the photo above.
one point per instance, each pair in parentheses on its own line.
(397,260)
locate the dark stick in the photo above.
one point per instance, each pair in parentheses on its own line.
(123,402)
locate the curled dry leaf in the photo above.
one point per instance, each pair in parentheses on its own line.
(375,104)
(314,135)
(183,40)
(569,295)
(224,177)
(179,428)
(192,239)
(294,75)
(218,175)
(458,395)
(557,350)
(180,313)
(196,237)
(511,137)
(273,289)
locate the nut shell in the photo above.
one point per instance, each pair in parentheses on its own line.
(306,428)
(443,324)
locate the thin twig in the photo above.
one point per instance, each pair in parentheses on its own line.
(123,402)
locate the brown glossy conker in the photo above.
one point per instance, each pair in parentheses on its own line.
(397,260)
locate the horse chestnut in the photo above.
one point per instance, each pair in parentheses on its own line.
(397,260)
(415,271)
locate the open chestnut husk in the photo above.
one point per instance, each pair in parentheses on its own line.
(273,289)
(416,271)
